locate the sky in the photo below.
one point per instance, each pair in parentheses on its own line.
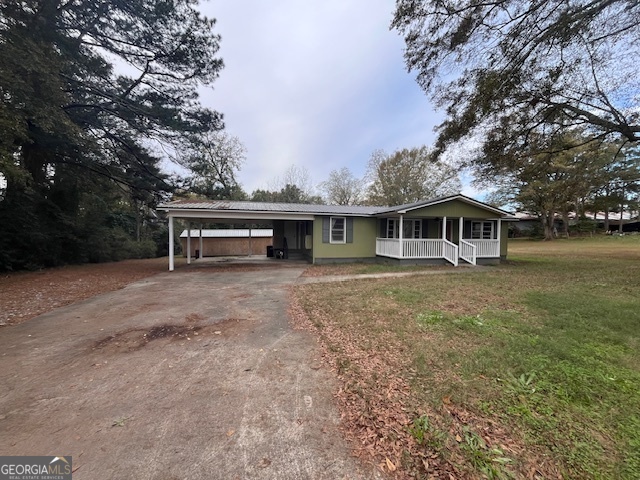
(315,84)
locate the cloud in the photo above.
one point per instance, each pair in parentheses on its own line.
(316,84)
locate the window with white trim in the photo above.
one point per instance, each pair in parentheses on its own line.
(392,228)
(338,232)
(482,230)
(412,229)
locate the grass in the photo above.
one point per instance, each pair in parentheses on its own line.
(531,368)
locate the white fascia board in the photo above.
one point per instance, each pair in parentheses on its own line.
(458,197)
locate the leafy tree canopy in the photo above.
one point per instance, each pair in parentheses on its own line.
(407,176)
(505,69)
(92,95)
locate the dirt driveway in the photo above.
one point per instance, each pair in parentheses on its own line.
(194,374)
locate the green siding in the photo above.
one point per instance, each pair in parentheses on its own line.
(363,246)
(504,238)
(454,208)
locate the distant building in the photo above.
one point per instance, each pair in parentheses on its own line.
(228,242)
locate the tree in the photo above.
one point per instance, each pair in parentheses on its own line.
(619,188)
(505,69)
(343,188)
(73,128)
(294,186)
(407,176)
(554,176)
(214,161)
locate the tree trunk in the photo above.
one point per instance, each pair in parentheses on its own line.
(565,223)
(606,218)
(547,223)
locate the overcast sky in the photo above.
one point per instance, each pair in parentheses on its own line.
(319,84)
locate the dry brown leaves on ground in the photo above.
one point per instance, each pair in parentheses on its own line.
(24,295)
(374,403)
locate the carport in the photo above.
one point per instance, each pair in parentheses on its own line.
(290,228)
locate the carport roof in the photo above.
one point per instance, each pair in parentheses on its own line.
(232,206)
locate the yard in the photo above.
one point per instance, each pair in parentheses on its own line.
(526,370)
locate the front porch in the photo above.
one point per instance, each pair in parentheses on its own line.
(469,250)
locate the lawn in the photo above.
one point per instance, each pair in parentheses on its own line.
(526,370)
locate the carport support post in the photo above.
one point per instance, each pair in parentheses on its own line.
(170,243)
(189,243)
(200,255)
(250,247)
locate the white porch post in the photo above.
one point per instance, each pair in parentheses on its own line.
(400,233)
(444,228)
(499,222)
(200,255)
(461,230)
(250,246)
(170,243)
(189,243)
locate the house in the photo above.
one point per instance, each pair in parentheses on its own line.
(450,229)
(226,241)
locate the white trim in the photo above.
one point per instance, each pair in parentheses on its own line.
(344,230)
(171,252)
(394,230)
(200,252)
(463,198)
(482,223)
(188,243)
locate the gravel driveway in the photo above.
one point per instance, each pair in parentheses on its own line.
(194,374)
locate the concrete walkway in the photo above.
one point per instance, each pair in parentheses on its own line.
(343,278)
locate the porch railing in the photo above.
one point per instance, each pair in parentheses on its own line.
(468,252)
(388,247)
(431,248)
(422,248)
(486,248)
(450,252)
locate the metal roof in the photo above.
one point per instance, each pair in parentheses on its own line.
(270,207)
(229,233)
(303,208)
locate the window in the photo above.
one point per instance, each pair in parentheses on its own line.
(392,228)
(338,233)
(482,230)
(410,228)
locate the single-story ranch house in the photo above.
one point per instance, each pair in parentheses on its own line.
(441,230)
